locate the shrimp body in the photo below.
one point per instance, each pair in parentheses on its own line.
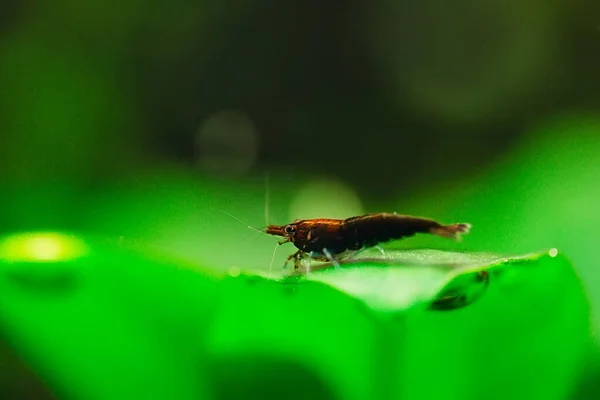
(336,236)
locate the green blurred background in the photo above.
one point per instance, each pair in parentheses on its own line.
(142,122)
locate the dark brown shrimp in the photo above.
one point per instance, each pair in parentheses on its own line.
(324,239)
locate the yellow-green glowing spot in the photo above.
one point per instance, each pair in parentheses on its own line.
(42,247)
(553,252)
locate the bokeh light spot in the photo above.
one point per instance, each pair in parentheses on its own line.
(553,252)
(468,63)
(41,247)
(325,198)
(227,143)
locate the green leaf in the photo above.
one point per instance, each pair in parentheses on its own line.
(373,329)
(399,280)
(99,321)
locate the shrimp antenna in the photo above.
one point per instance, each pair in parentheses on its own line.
(267,198)
(273,257)
(242,222)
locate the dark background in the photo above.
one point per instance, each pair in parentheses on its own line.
(384,95)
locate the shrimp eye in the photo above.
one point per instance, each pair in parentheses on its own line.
(289,229)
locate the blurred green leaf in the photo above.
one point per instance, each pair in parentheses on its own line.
(96,320)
